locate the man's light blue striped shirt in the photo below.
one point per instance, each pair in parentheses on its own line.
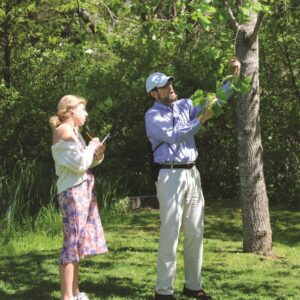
(175,126)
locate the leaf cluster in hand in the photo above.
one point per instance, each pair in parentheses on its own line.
(208,100)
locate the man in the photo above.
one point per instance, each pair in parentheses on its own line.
(171,125)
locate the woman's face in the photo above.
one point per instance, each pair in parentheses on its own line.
(79,115)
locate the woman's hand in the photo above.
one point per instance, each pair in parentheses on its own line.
(95,140)
(94,143)
(99,152)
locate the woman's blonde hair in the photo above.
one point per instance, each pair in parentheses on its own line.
(65,104)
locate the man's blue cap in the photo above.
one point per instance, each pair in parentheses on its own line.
(157,80)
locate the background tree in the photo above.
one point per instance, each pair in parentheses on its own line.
(256,219)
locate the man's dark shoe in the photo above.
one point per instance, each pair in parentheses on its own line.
(164,297)
(200,294)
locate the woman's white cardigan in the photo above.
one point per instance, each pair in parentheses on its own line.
(71,163)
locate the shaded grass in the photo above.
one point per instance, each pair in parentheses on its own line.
(28,263)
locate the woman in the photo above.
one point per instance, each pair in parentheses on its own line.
(83,232)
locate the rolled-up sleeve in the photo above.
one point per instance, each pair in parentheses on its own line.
(96,162)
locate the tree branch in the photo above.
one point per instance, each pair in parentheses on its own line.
(233,22)
(157,8)
(254,33)
(10,8)
(112,15)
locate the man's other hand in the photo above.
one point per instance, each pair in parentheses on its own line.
(236,67)
(206,115)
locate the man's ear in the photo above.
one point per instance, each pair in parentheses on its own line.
(153,94)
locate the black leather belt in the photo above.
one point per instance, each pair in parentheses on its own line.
(177,166)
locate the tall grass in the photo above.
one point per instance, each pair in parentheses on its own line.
(28,195)
(24,190)
(109,189)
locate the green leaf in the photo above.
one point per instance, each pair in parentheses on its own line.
(244,15)
(217,109)
(222,95)
(189,27)
(204,20)
(257,7)
(245,11)
(198,98)
(244,85)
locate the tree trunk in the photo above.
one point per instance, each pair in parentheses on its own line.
(257,233)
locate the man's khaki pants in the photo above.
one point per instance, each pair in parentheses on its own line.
(181,201)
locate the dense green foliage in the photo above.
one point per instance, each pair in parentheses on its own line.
(29,270)
(104,50)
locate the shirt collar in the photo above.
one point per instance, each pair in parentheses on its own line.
(163,107)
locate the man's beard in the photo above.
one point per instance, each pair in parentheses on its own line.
(168,99)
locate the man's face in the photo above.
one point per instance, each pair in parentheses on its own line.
(165,95)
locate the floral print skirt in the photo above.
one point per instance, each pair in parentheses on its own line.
(82,228)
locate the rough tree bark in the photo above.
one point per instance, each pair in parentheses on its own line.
(257,233)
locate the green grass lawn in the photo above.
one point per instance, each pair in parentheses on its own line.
(28,262)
